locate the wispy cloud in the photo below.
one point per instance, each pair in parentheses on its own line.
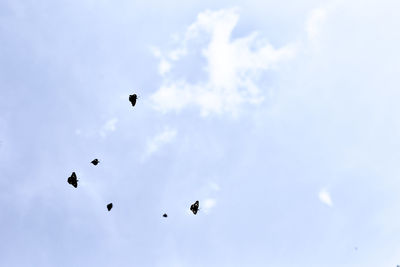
(233,67)
(154,144)
(314,23)
(208,204)
(109,126)
(325,197)
(164,66)
(214,186)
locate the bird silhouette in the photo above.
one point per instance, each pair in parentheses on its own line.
(73,180)
(132,99)
(195,207)
(109,206)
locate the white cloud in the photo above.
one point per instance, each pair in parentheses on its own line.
(325,197)
(208,204)
(159,140)
(233,67)
(315,22)
(109,126)
(164,66)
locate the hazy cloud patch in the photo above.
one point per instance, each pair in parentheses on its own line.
(162,138)
(233,67)
(325,197)
(214,186)
(109,126)
(314,23)
(208,204)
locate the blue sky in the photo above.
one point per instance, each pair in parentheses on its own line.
(281,118)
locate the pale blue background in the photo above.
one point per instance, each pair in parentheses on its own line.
(329,122)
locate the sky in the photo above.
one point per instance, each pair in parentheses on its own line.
(280,117)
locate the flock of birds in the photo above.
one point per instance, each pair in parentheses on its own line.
(73,179)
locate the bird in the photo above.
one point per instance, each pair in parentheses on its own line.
(165,215)
(132,99)
(195,207)
(109,206)
(95,162)
(73,180)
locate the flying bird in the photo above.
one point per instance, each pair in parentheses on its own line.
(109,206)
(165,215)
(73,180)
(132,99)
(195,207)
(95,162)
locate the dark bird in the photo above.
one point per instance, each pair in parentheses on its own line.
(132,99)
(73,180)
(165,215)
(95,162)
(195,207)
(109,206)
